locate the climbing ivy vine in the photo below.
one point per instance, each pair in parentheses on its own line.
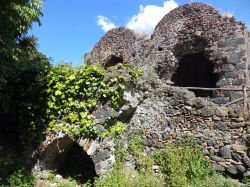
(74,93)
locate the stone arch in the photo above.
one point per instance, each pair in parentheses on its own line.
(67,158)
(198,28)
(195,67)
(196,70)
(113,60)
(118,43)
(82,159)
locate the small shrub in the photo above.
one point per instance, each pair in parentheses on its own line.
(136,143)
(122,177)
(21,178)
(219,181)
(246,180)
(183,165)
(51,178)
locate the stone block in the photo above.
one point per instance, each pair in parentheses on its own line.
(238,81)
(101,156)
(241,169)
(207,111)
(231,74)
(217,158)
(218,167)
(236,157)
(241,66)
(220,100)
(228,67)
(232,170)
(223,43)
(238,148)
(221,126)
(234,111)
(223,82)
(225,152)
(241,41)
(246,160)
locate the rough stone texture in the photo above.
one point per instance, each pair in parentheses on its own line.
(169,113)
(165,112)
(101,151)
(225,152)
(117,46)
(195,28)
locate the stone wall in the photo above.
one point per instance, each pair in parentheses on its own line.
(118,45)
(195,28)
(56,146)
(165,112)
(199,28)
(169,114)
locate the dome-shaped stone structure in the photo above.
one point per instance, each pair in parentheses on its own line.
(195,24)
(116,46)
(193,45)
(209,50)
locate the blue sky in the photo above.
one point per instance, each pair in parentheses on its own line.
(71,28)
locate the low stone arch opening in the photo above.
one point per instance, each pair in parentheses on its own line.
(77,164)
(196,70)
(113,60)
(67,158)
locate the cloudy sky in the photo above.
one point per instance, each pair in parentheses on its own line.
(69,30)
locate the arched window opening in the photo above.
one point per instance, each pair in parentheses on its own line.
(113,60)
(196,70)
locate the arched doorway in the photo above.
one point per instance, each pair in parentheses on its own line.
(67,158)
(74,162)
(196,70)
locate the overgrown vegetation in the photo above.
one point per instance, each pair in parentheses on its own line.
(180,165)
(183,165)
(22,70)
(73,95)
(35,97)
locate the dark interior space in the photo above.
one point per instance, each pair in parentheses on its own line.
(195,70)
(113,60)
(74,162)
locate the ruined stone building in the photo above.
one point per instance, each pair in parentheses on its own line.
(192,46)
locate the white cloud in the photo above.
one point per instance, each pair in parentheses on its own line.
(148,17)
(105,23)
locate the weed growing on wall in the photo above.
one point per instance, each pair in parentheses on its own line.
(183,164)
(180,165)
(73,95)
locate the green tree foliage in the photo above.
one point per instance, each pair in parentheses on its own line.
(22,67)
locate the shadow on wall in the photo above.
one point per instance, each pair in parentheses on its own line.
(77,164)
(113,60)
(195,70)
(68,158)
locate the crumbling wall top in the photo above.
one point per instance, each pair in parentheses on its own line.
(120,43)
(195,23)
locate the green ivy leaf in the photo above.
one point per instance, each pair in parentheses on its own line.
(83,114)
(58,92)
(72,77)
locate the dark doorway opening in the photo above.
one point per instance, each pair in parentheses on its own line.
(196,70)
(74,162)
(113,60)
